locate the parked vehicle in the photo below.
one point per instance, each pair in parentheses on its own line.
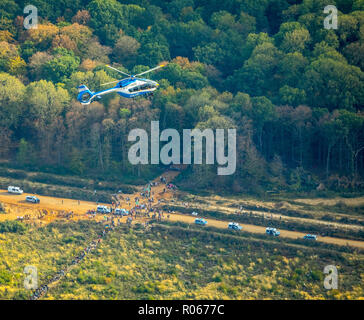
(310,237)
(15,190)
(121,212)
(103,209)
(194,213)
(272,232)
(200,221)
(234,226)
(32,199)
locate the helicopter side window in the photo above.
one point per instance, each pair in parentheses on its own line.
(145,86)
(134,89)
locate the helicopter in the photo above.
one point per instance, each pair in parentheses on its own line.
(129,87)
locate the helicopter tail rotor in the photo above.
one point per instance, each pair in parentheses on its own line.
(85,95)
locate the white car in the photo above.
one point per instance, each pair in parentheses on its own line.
(234,226)
(15,190)
(32,199)
(310,237)
(194,213)
(121,212)
(201,221)
(103,209)
(272,232)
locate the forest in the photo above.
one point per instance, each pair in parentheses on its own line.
(293,90)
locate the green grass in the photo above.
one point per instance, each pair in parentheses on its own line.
(173,262)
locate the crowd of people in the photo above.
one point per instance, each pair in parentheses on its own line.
(139,210)
(25,217)
(41,214)
(171,186)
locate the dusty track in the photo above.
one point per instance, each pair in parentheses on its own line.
(79,208)
(261,230)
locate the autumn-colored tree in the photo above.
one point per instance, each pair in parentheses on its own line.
(17,66)
(82,17)
(43,35)
(7,53)
(125,50)
(88,65)
(5,35)
(36,64)
(64,41)
(78,34)
(98,52)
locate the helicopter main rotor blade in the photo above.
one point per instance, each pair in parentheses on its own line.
(105,84)
(118,70)
(150,70)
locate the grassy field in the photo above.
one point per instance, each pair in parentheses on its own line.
(171,262)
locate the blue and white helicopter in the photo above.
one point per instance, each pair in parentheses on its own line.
(130,87)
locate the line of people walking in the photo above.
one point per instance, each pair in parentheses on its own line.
(42,290)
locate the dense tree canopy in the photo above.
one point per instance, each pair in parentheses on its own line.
(293,89)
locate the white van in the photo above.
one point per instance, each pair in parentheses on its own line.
(15,190)
(103,209)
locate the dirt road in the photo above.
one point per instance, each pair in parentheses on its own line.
(258,229)
(18,207)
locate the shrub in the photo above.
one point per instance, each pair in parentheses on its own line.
(13,174)
(12,226)
(5,277)
(69,239)
(217,278)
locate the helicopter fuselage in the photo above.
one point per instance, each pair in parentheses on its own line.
(127,88)
(130,88)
